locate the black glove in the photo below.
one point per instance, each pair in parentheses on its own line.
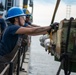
(54,25)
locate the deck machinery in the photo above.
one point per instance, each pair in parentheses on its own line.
(62,44)
(65,45)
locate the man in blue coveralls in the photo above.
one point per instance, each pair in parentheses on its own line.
(17,18)
(10,36)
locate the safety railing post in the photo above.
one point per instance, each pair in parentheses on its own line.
(18,63)
(11,68)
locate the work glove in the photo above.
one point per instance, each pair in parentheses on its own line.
(53,26)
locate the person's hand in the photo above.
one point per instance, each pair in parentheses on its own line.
(54,25)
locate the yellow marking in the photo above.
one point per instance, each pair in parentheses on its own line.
(25,6)
(51,36)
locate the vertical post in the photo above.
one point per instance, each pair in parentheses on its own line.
(11,68)
(53,17)
(31,5)
(25,4)
(18,63)
(56,7)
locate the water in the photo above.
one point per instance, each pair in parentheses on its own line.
(42,63)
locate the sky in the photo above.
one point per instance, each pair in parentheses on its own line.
(43,11)
(53,1)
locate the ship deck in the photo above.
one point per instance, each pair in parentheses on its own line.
(26,63)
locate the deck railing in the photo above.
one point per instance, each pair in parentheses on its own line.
(13,66)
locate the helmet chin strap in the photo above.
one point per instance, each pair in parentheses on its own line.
(19,21)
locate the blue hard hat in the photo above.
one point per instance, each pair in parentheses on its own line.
(14,12)
(24,10)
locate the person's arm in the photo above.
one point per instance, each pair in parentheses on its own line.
(33,25)
(33,30)
(29,26)
(41,33)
